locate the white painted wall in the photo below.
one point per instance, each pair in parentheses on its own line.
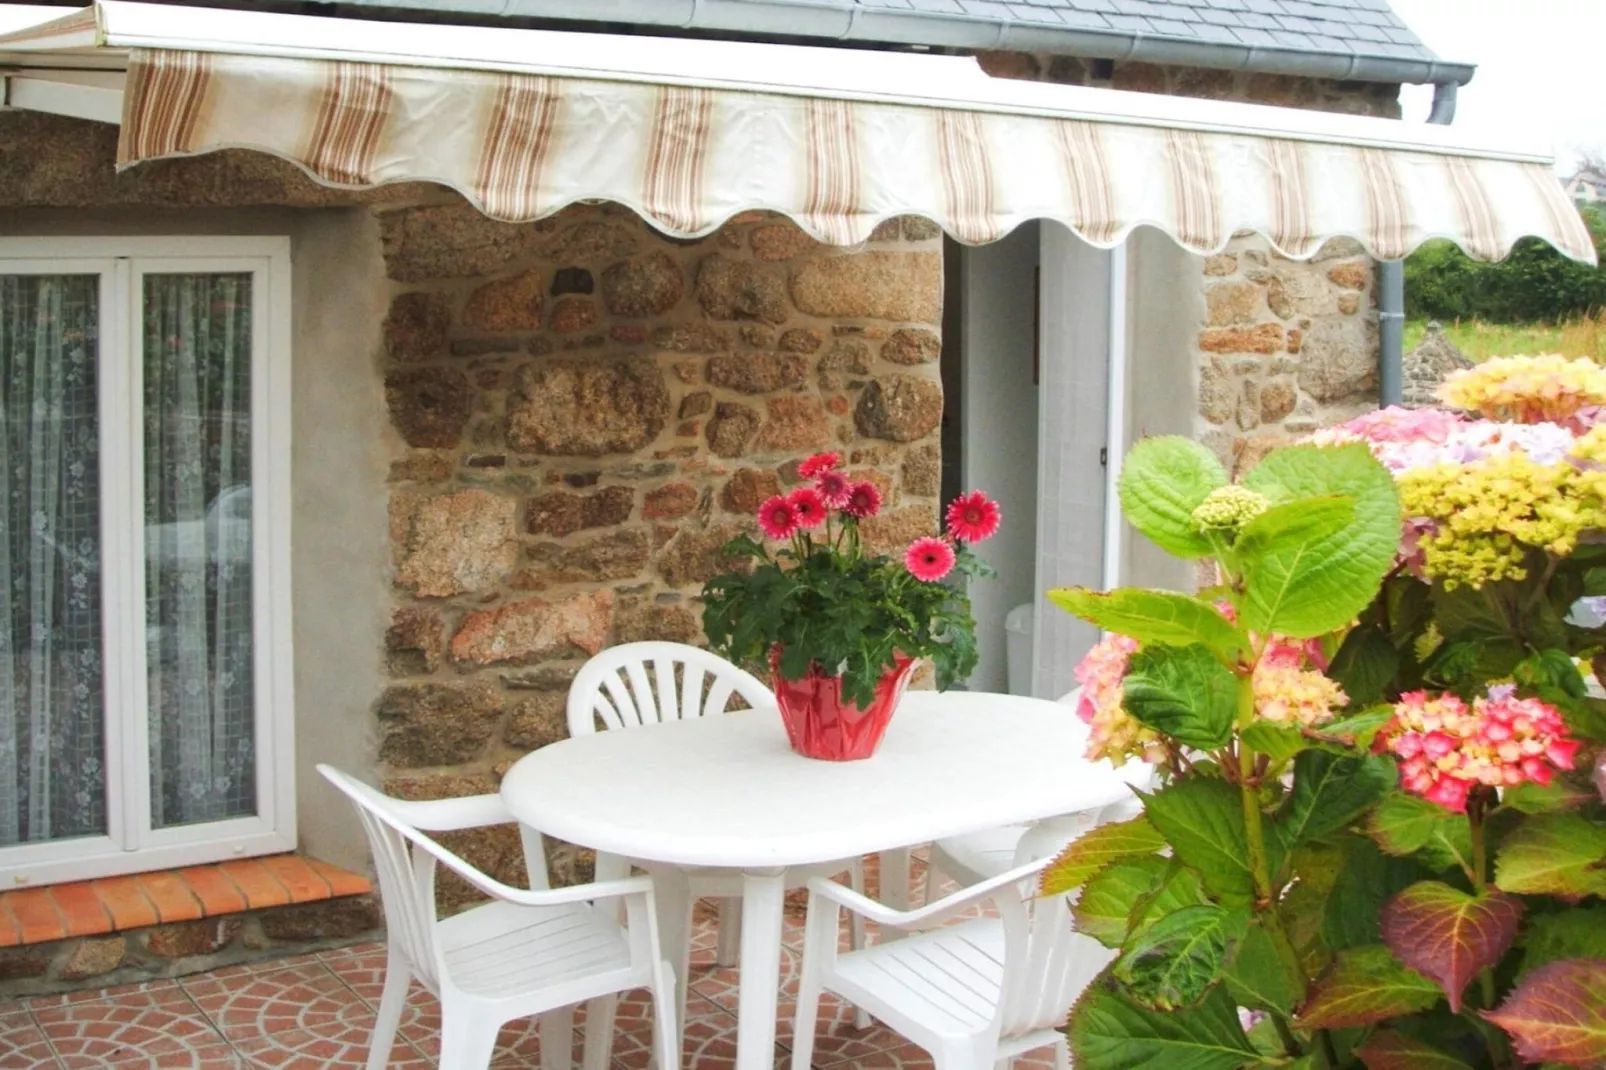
(998,452)
(1075,331)
(1165,309)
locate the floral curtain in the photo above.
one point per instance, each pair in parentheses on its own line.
(52,728)
(197,445)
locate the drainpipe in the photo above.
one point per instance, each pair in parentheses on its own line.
(1391,285)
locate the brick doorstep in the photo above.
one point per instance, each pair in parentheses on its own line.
(171,922)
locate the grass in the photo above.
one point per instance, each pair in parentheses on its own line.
(1584,337)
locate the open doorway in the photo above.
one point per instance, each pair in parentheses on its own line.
(989,432)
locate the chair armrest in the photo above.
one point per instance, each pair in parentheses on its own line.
(534,897)
(450,815)
(932,914)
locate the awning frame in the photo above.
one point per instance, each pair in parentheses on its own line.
(689,132)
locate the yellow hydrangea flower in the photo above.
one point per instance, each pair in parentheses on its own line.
(1548,387)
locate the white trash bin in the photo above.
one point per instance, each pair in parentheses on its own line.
(1018,649)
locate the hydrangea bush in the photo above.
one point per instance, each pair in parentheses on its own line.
(1380,835)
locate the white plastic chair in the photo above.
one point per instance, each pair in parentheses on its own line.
(526,953)
(975,994)
(977,856)
(644,683)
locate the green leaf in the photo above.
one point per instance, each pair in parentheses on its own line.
(1311,587)
(1556,1014)
(1170,964)
(1553,854)
(1258,978)
(1365,663)
(1531,798)
(1448,935)
(1182,692)
(1551,669)
(1355,731)
(1203,820)
(1104,910)
(1576,933)
(1366,985)
(1290,526)
(1108,1031)
(1180,888)
(1404,824)
(1367,879)
(1279,742)
(1155,618)
(1329,793)
(1387,1049)
(1163,480)
(1091,852)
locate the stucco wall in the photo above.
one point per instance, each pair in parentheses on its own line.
(339,552)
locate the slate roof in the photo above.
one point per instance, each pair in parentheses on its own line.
(1361,27)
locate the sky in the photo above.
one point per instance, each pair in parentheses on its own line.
(1539,64)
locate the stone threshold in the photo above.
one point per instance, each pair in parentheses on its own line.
(171,922)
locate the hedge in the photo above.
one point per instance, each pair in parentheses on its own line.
(1534,284)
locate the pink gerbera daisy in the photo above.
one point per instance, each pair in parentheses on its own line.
(834,488)
(973,517)
(807,506)
(818,464)
(777,518)
(929,558)
(864,501)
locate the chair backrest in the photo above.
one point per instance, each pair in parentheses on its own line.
(644,683)
(1047,963)
(406,877)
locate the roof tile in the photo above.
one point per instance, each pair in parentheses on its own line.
(1342,27)
(1130,23)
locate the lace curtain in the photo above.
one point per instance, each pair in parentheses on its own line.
(52,729)
(197,443)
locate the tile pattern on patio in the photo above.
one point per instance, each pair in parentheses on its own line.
(317,1011)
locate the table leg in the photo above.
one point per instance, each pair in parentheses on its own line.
(895,878)
(763,899)
(671,890)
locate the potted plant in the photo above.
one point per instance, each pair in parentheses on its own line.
(841,629)
(1377,842)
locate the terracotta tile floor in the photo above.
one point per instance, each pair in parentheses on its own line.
(316,1011)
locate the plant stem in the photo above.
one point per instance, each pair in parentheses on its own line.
(1477,811)
(1259,868)
(1285,1034)
(1328,1051)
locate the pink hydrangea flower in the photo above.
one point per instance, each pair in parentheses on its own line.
(777,518)
(1446,749)
(1115,734)
(929,558)
(806,503)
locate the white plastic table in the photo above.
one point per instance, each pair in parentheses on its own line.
(728,792)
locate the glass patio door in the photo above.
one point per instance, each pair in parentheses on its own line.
(143,657)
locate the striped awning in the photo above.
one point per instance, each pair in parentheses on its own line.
(690,133)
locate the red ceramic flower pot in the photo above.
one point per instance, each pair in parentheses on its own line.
(821,725)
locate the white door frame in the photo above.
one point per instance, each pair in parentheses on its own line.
(130,844)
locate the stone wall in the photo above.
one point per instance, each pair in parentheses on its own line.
(584,412)
(1427,366)
(1286,346)
(1380,99)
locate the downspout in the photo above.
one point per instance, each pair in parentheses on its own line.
(1391,285)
